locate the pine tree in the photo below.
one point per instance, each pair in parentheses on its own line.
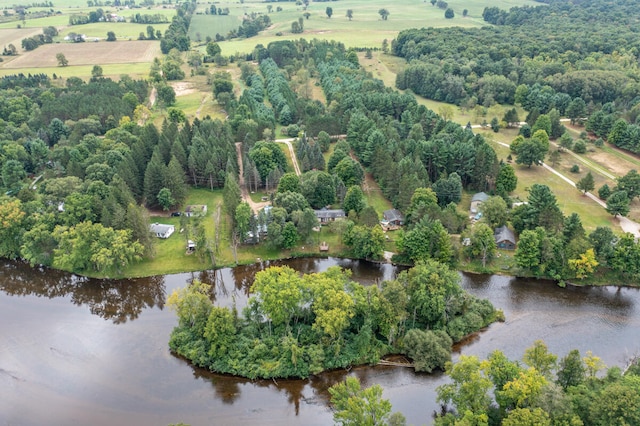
(586,184)
(154,178)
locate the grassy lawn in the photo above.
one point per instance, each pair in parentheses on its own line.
(569,199)
(374,197)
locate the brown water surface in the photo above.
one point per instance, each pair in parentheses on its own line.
(83,351)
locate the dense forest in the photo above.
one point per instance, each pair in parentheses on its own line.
(296,326)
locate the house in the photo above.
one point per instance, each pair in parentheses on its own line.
(325,215)
(393,217)
(195,210)
(477,200)
(505,238)
(161,230)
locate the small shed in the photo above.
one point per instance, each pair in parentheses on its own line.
(195,210)
(324,246)
(191,246)
(505,238)
(325,215)
(477,200)
(161,230)
(394,217)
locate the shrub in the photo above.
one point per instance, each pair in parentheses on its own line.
(575,169)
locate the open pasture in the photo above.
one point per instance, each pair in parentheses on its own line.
(89,53)
(365,29)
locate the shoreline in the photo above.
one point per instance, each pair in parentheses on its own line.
(594,281)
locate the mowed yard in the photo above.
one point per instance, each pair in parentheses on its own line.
(89,53)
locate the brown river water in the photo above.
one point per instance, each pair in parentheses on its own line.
(94,352)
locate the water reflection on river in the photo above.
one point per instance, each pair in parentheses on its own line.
(95,352)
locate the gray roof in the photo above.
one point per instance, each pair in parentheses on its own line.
(329,214)
(393,214)
(160,228)
(504,234)
(480,196)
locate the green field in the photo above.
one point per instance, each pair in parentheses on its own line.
(210,25)
(366,29)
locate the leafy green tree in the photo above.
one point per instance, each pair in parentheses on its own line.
(429,285)
(243,219)
(618,204)
(571,371)
(267,157)
(566,141)
(539,357)
(428,239)
(354,200)
(542,123)
(193,307)
(449,189)
(111,36)
(329,11)
(603,241)
(495,212)
(289,235)
(290,201)
(62,60)
(278,291)
(428,349)
(469,390)
(356,406)
(384,14)
(618,403)
(483,243)
(577,109)
(365,242)
(528,251)
(584,265)
(630,183)
(532,151)
(501,371)
(38,245)
(449,14)
(318,188)
(604,192)
(527,417)
(213,49)
(289,182)
(12,219)
(526,388)
(165,199)
(12,175)
(350,14)
(220,332)
(349,171)
(506,181)
(586,184)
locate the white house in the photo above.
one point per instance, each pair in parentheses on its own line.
(161,230)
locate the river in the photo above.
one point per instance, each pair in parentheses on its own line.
(83,351)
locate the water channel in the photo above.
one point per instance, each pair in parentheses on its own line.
(83,351)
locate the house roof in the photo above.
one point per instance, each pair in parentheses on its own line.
(329,214)
(504,234)
(480,196)
(393,214)
(160,228)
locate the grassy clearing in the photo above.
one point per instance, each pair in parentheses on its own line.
(366,29)
(569,198)
(210,25)
(374,196)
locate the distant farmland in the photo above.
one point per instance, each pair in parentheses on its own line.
(89,53)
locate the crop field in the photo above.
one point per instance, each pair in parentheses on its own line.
(14,35)
(90,53)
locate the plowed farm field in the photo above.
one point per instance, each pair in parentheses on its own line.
(88,53)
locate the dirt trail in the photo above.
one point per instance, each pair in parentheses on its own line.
(294,159)
(626,224)
(256,207)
